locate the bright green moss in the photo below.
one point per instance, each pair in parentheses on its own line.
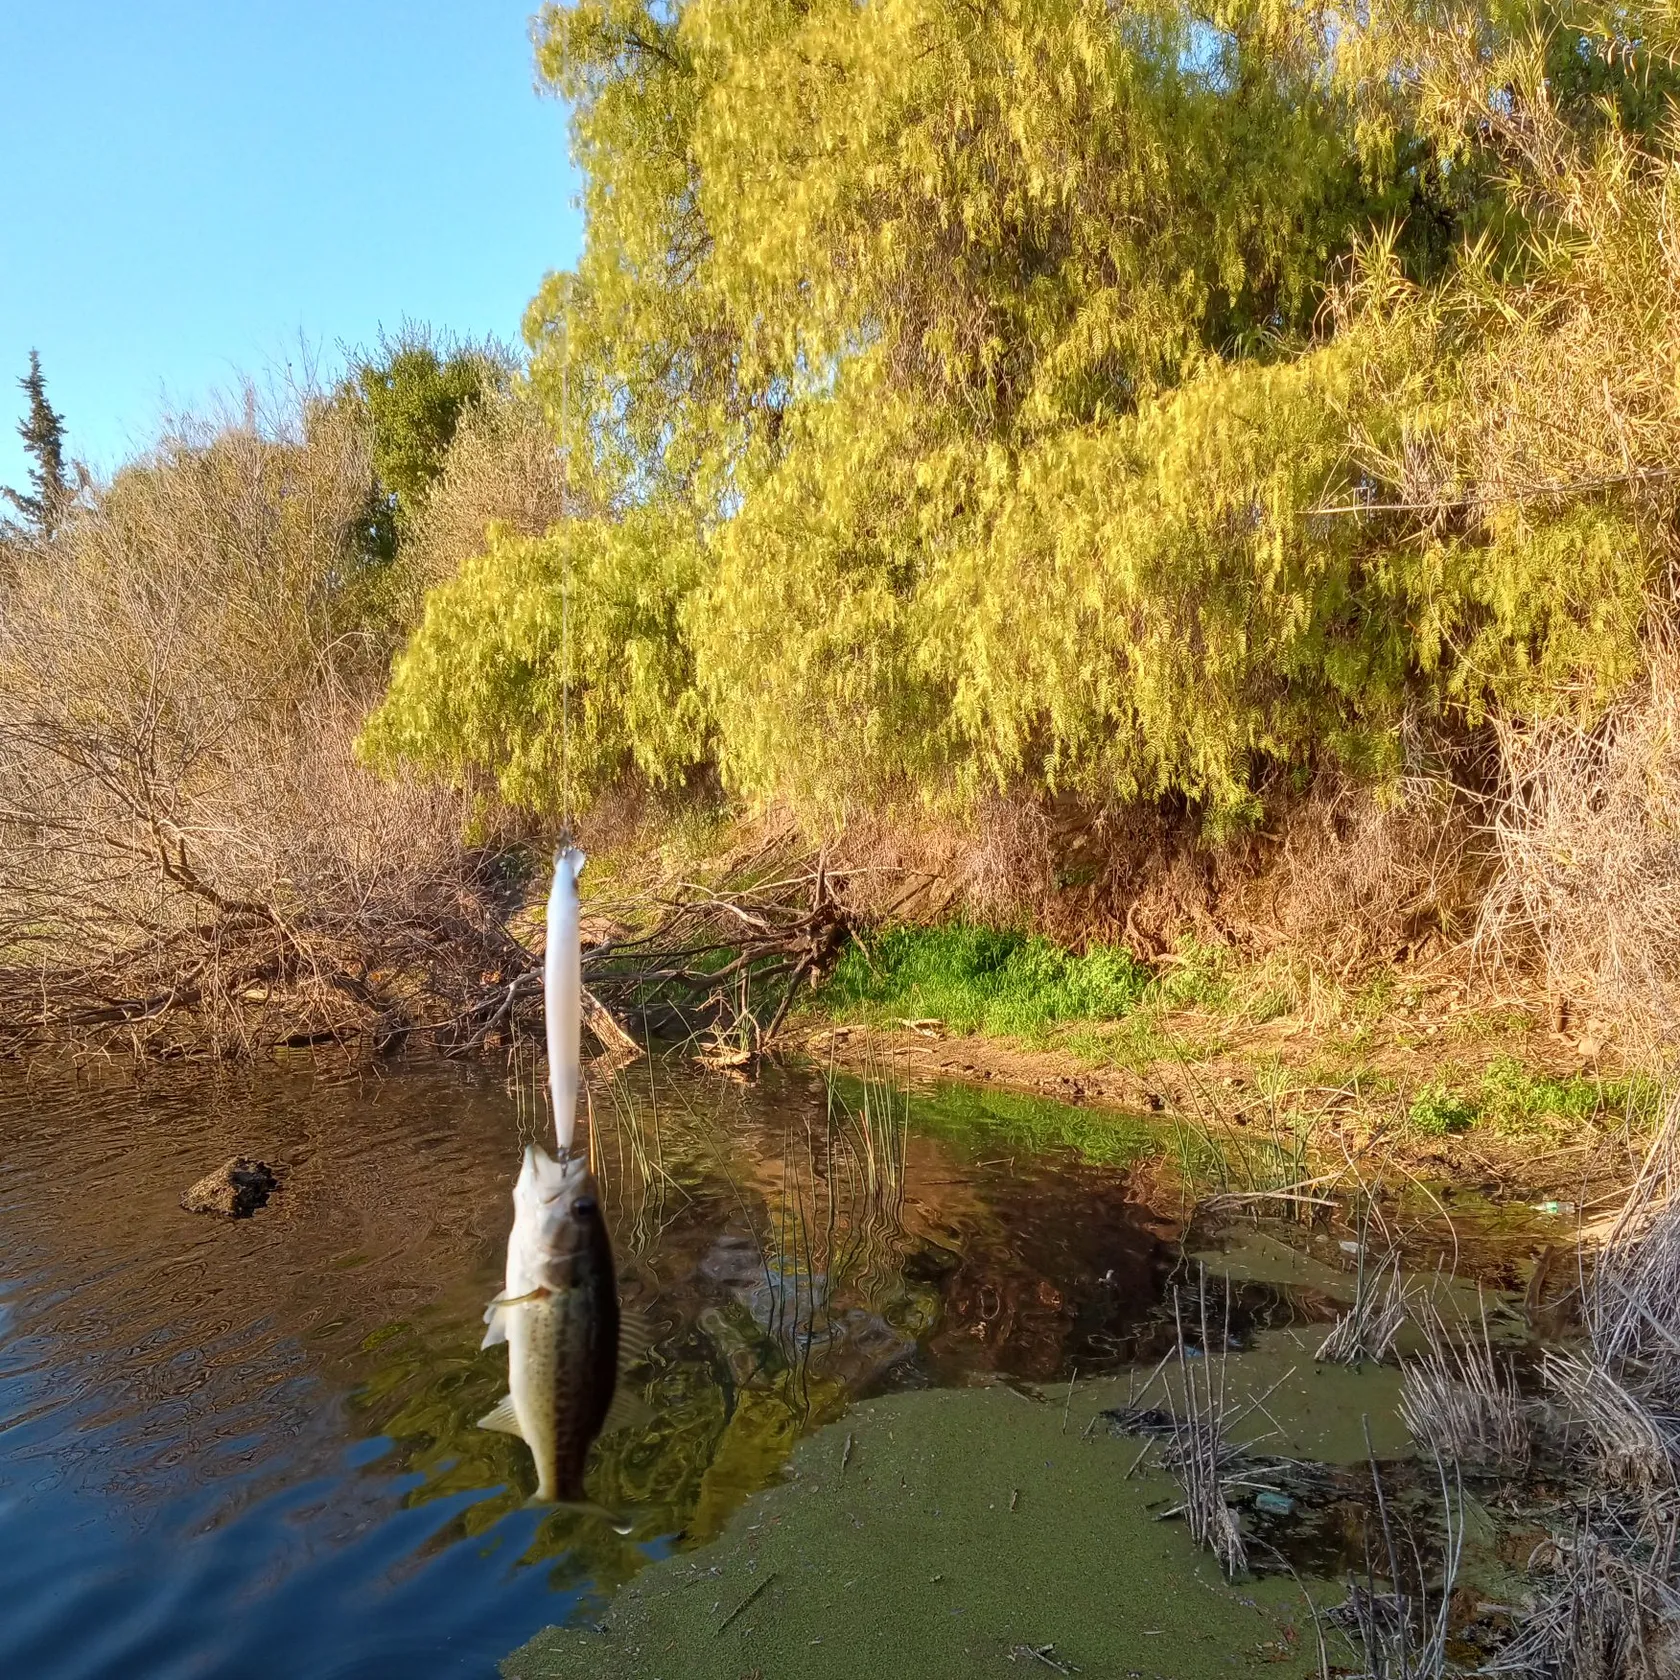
(977,979)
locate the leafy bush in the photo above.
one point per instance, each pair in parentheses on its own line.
(410,397)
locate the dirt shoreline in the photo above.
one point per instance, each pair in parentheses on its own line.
(1358,1123)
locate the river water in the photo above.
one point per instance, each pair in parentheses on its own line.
(248,1448)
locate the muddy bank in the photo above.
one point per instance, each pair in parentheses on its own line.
(1311,1098)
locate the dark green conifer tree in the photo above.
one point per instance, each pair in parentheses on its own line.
(42,431)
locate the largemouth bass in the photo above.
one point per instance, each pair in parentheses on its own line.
(560,1319)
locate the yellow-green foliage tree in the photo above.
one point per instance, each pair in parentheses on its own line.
(1068,393)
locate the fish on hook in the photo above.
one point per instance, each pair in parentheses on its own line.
(558,1311)
(563,992)
(559,1316)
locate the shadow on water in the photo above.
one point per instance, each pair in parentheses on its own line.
(251,1447)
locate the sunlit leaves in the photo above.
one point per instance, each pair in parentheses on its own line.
(1122,399)
(552,665)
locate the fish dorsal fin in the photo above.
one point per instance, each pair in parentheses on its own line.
(627,1411)
(637,1334)
(501,1418)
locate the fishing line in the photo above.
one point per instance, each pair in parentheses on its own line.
(565,604)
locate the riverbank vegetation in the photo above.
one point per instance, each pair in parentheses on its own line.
(191,857)
(1183,493)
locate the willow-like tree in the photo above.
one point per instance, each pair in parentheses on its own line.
(969,391)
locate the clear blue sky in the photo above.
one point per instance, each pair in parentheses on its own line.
(187,186)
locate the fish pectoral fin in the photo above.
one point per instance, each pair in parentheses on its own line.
(628,1410)
(502,1418)
(540,1293)
(495,1315)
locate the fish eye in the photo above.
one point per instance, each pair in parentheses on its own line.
(584,1204)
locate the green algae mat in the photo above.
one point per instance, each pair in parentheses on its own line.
(943,1535)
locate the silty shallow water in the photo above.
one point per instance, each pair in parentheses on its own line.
(249,1448)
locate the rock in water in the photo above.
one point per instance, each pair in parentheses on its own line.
(236,1189)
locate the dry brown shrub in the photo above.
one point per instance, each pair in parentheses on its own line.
(1007,869)
(1058,867)
(1587,835)
(995,865)
(189,855)
(1362,875)
(1344,875)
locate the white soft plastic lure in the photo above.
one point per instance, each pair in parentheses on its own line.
(563,993)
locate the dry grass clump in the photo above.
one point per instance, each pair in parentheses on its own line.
(1632,1445)
(1196,1448)
(1360,876)
(1200,1456)
(1632,1299)
(1610,1610)
(1587,832)
(1623,1389)
(1611,1605)
(1367,1330)
(1460,1401)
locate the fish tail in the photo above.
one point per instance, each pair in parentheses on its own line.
(584,1507)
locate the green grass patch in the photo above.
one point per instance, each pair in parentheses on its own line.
(1512,1098)
(1194,977)
(976,979)
(1437,1109)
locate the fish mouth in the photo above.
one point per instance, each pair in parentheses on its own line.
(554,1180)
